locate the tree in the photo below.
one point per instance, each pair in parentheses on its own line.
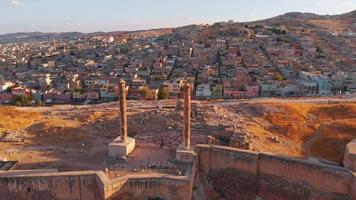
(78,90)
(159,78)
(163,94)
(22,100)
(278,77)
(143,92)
(40,104)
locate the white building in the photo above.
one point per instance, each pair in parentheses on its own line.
(203,90)
(350,81)
(5,85)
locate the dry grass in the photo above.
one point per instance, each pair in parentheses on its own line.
(12,119)
(328,128)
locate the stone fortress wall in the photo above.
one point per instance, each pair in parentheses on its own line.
(240,174)
(92,185)
(234,173)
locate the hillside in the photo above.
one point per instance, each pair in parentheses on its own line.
(48,135)
(294,129)
(321,130)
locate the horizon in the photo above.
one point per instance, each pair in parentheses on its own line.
(24,16)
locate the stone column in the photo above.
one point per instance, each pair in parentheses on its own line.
(187,116)
(123,115)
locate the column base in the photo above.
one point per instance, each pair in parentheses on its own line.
(185,155)
(119,149)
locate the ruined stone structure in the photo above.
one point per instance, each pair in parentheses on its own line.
(123,115)
(350,156)
(92,185)
(241,174)
(122,145)
(185,153)
(187,117)
(234,173)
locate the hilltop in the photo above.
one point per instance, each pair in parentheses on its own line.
(295,129)
(285,19)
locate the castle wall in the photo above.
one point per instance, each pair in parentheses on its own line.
(142,186)
(301,179)
(353,190)
(275,177)
(152,187)
(234,173)
(56,186)
(93,185)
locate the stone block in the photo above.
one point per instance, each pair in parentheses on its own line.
(350,156)
(118,148)
(185,155)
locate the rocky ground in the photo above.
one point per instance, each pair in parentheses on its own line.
(76,137)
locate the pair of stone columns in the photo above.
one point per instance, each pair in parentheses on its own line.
(187,90)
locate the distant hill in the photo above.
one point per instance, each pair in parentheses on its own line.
(287,18)
(350,16)
(302,17)
(296,15)
(37,37)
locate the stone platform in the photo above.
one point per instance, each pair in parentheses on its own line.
(185,155)
(118,148)
(350,156)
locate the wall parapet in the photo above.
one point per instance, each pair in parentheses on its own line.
(62,185)
(271,169)
(350,156)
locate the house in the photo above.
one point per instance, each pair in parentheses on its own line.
(92,96)
(288,90)
(243,90)
(5,98)
(78,96)
(44,82)
(217,90)
(233,92)
(339,81)
(324,84)
(20,91)
(173,87)
(57,96)
(37,96)
(252,90)
(95,83)
(268,89)
(203,90)
(4,85)
(110,93)
(307,87)
(350,82)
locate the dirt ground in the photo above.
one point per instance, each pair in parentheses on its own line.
(76,137)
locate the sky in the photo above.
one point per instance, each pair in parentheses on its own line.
(120,15)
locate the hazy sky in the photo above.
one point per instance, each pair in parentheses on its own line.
(112,15)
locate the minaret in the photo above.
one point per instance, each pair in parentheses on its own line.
(54,44)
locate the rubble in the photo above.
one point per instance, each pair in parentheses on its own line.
(274,139)
(15,136)
(241,140)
